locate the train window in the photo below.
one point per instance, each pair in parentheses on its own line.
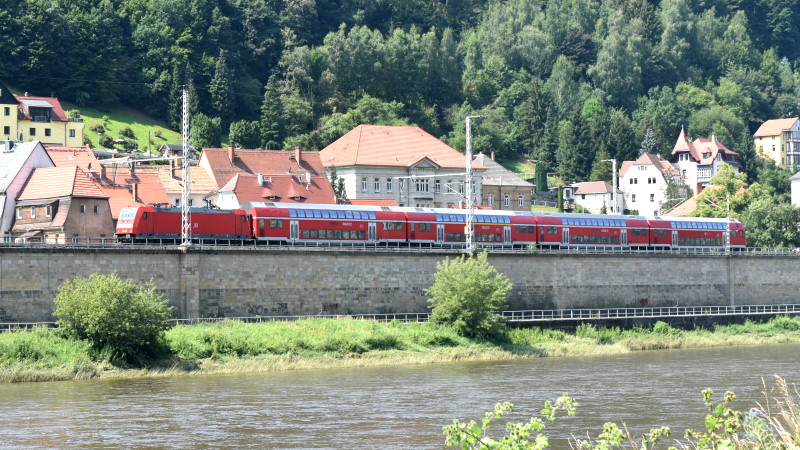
(144,216)
(345,234)
(330,234)
(274,223)
(305,234)
(313,234)
(339,214)
(362,234)
(337,234)
(372,215)
(317,214)
(325,214)
(292,213)
(635,232)
(348,214)
(301,213)
(388,225)
(424,227)
(260,223)
(400,226)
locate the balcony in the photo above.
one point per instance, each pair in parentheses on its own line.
(40,119)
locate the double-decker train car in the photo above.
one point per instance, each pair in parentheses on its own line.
(163,225)
(271,223)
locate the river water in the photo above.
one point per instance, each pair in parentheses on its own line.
(386,407)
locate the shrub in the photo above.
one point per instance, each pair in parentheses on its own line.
(467,295)
(106,141)
(98,128)
(117,317)
(127,132)
(105,118)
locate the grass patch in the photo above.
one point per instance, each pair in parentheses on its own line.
(42,354)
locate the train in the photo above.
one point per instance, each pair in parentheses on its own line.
(267,223)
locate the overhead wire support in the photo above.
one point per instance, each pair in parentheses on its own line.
(469,225)
(186,214)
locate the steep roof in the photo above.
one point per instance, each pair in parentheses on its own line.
(282,188)
(496,174)
(775,127)
(594,187)
(703,150)
(57,182)
(382,145)
(26,102)
(266,162)
(647,159)
(11,162)
(82,157)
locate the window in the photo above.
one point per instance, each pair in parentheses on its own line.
(47,131)
(473,187)
(506,200)
(377,184)
(6,110)
(461,188)
(96,209)
(490,200)
(437,186)
(32,132)
(83,209)
(422,185)
(19,213)
(276,223)
(364,184)
(521,200)
(652,197)
(33,212)
(634,181)
(633,198)
(190,203)
(389,185)
(6,131)
(71,133)
(642,168)
(48,210)
(177,203)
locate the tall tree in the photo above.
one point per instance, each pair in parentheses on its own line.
(273,131)
(220,90)
(205,132)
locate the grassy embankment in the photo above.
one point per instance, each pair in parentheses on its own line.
(229,347)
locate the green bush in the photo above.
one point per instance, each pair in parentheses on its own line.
(468,295)
(98,128)
(118,318)
(106,141)
(127,132)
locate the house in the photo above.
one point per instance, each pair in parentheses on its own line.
(62,204)
(266,175)
(502,188)
(700,160)
(126,183)
(404,164)
(27,118)
(202,188)
(173,150)
(779,140)
(595,196)
(644,183)
(17,161)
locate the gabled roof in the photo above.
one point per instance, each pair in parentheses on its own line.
(647,159)
(279,188)
(683,209)
(267,162)
(382,145)
(593,187)
(497,175)
(6,97)
(59,182)
(11,162)
(704,146)
(775,127)
(25,103)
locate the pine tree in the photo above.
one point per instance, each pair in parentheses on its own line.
(175,108)
(648,143)
(273,130)
(220,90)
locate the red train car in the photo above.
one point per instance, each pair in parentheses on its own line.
(558,230)
(164,224)
(700,233)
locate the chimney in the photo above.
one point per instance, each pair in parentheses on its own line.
(713,138)
(9,145)
(102,172)
(172,167)
(261,180)
(133,169)
(298,156)
(135,191)
(492,156)
(231,153)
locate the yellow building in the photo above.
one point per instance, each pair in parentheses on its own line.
(37,119)
(779,140)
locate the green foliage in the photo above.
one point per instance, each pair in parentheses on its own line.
(468,295)
(123,319)
(337,183)
(205,132)
(127,132)
(106,141)
(245,134)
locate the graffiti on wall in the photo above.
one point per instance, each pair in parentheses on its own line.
(329,309)
(279,309)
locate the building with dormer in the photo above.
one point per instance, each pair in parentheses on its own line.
(27,118)
(404,164)
(644,183)
(699,160)
(779,140)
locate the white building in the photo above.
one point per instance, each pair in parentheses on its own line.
(16,164)
(380,162)
(644,183)
(595,195)
(701,159)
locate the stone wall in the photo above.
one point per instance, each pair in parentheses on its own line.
(236,283)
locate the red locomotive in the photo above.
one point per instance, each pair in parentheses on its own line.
(274,223)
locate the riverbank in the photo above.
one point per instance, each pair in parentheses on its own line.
(235,347)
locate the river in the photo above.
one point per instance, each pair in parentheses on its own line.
(385,407)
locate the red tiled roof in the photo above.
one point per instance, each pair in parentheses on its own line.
(283,187)
(775,127)
(266,162)
(55,182)
(647,159)
(684,209)
(373,202)
(701,146)
(382,145)
(58,112)
(82,157)
(593,187)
